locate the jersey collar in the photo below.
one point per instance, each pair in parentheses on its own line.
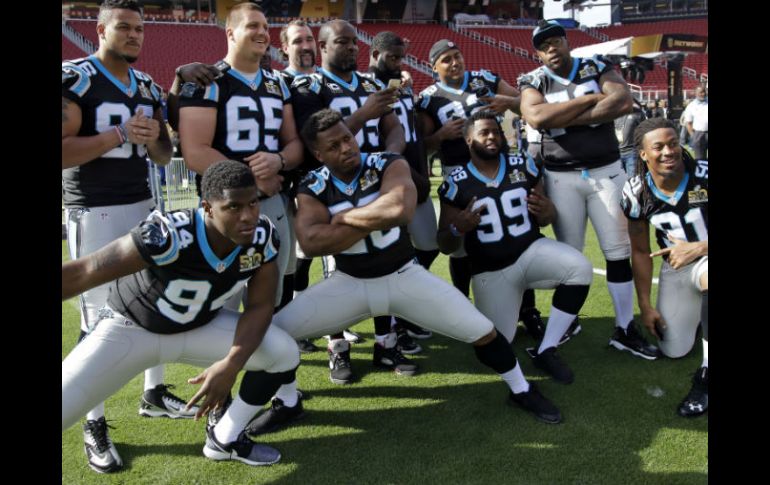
(351,86)
(561,80)
(349,189)
(218,265)
(253,83)
(674,199)
(129,91)
(446,87)
(294,73)
(488,181)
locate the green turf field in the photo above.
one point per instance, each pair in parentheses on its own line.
(449,424)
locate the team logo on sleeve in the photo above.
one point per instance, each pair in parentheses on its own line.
(272,88)
(369,87)
(477,83)
(588,71)
(188,89)
(370,178)
(251,260)
(68,73)
(333,87)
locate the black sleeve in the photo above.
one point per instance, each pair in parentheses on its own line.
(157,239)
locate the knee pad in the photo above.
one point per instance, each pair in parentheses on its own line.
(570,298)
(382,325)
(302,274)
(257,387)
(460,271)
(619,271)
(497,355)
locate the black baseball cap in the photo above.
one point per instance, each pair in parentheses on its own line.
(439,48)
(545,30)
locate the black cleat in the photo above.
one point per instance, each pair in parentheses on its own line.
(537,404)
(352,337)
(405,343)
(340,371)
(242,449)
(159,402)
(697,400)
(102,455)
(415,331)
(573,329)
(393,359)
(306,346)
(633,341)
(550,362)
(533,323)
(276,417)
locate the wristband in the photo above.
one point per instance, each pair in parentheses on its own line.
(455,232)
(283,161)
(121,131)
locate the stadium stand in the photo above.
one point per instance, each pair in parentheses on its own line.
(70,50)
(168,45)
(205,43)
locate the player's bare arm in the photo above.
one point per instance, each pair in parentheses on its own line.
(202,74)
(682,252)
(507,98)
(433,137)
(540,114)
(618,101)
(394,207)
(159,147)
(376,105)
(77,150)
(118,258)
(641,263)
(217,380)
(453,223)
(316,235)
(540,206)
(266,164)
(393,133)
(196,134)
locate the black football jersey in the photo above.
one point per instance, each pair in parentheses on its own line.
(574,147)
(119,176)
(443,103)
(323,89)
(381,252)
(186,283)
(288,75)
(406,114)
(506,229)
(249,111)
(685,215)
(291,178)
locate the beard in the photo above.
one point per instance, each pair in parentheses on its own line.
(348,65)
(383,73)
(304,64)
(129,59)
(483,153)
